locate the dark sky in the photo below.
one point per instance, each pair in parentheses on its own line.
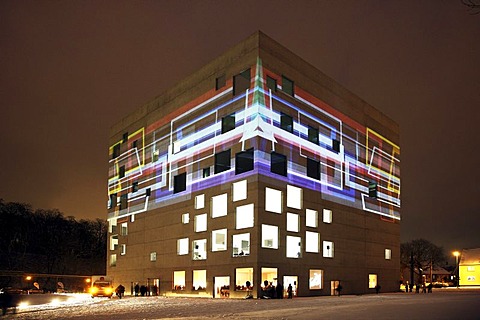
(70,69)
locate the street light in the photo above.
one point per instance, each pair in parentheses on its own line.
(456,254)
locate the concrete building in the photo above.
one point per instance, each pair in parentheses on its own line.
(256,169)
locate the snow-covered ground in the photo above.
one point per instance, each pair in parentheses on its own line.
(438,305)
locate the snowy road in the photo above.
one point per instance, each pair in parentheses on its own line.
(442,304)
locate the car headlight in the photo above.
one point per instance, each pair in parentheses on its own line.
(108,290)
(93,290)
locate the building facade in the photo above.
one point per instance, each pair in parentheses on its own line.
(257,170)
(469,267)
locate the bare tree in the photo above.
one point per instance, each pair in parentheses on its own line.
(473,5)
(421,254)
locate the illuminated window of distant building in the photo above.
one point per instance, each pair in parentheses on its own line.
(273,200)
(121,172)
(153,256)
(182,246)
(242,275)
(134,186)
(220,82)
(294,247)
(241,244)
(206,172)
(180,182)
(201,222)
(327,216)
(287,86)
(113,260)
(244,161)
(315,281)
(123,249)
(313,169)
(311,218)
(155,155)
(200,201)
(116,151)
(199,279)
(112,225)
(178,280)
(372,281)
(470,268)
(200,249)
(278,163)
(222,161)
(286,122)
(219,205)
(293,221)
(271,84)
(294,197)
(244,216)
(269,236)
(312,242)
(228,123)
(114,242)
(239,190)
(388,254)
(219,240)
(336,145)
(241,82)
(124,229)
(132,218)
(313,135)
(185,218)
(176,146)
(328,249)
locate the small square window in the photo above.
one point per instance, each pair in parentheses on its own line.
(121,172)
(336,145)
(313,169)
(148,192)
(206,172)
(278,164)
(200,201)
(134,186)
(293,222)
(287,86)
(241,244)
(185,218)
(222,161)
(201,222)
(269,236)
(125,137)
(388,254)
(244,216)
(271,84)
(219,206)
(239,190)
(113,260)
(180,183)
(241,82)
(286,122)
(311,218)
(294,247)
(200,249)
(153,256)
(182,246)
(123,249)
(124,229)
(112,203)
(328,249)
(312,242)
(123,201)
(220,82)
(372,189)
(228,123)
(219,240)
(273,200)
(327,216)
(294,197)
(116,151)
(244,161)
(313,135)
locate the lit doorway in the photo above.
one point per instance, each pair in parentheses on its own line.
(287,280)
(333,286)
(221,287)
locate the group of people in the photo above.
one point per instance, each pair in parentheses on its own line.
(269,291)
(424,288)
(143,290)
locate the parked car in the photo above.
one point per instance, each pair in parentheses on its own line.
(101,289)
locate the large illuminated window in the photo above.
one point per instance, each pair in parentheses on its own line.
(269,236)
(294,247)
(293,222)
(273,200)
(242,275)
(222,161)
(239,190)
(201,222)
(286,122)
(228,123)
(219,205)
(372,281)
(388,254)
(269,275)
(313,169)
(200,249)
(200,201)
(182,246)
(328,249)
(113,242)
(178,280)
(327,216)
(278,164)
(199,279)
(312,242)
(294,197)
(244,216)
(241,82)
(112,225)
(315,281)
(180,182)
(287,86)
(219,240)
(244,161)
(311,218)
(241,244)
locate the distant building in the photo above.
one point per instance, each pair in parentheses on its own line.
(256,169)
(469,267)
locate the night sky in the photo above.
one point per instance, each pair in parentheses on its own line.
(69,70)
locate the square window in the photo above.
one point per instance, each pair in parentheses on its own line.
(244,161)
(328,249)
(372,189)
(199,279)
(114,242)
(388,254)
(134,186)
(269,236)
(271,84)
(219,206)
(228,123)
(123,249)
(294,197)
(312,242)
(219,240)
(201,222)
(243,276)
(200,201)
(153,256)
(336,145)
(121,172)
(313,169)
(182,246)
(293,222)
(286,122)
(273,200)
(278,164)
(311,218)
(315,281)
(200,249)
(113,260)
(125,137)
(294,247)
(206,172)
(116,151)
(123,201)
(327,216)
(239,190)
(178,280)
(372,281)
(220,82)
(222,161)
(313,135)
(244,216)
(241,82)
(112,202)
(287,86)
(185,218)
(124,229)
(180,183)
(241,244)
